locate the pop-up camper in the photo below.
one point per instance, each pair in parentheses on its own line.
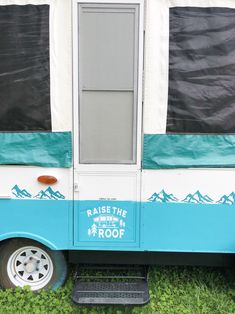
(117,145)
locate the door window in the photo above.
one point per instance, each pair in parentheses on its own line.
(108,54)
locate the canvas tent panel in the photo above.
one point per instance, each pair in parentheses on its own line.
(44,149)
(156,66)
(167,151)
(157,57)
(60,52)
(205,112)
(37,89)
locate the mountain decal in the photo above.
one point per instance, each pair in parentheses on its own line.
(163,197)
(227,199)
(20,193)
(192,198)
(49,194)
(197,198)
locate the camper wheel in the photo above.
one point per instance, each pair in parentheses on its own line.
(25,262)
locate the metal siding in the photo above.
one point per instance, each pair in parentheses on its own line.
(164,227)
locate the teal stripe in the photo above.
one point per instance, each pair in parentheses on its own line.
(149,226)
(46,149)
(164,151)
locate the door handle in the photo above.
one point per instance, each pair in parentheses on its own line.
(75,187)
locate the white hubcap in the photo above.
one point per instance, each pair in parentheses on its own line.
(30,266)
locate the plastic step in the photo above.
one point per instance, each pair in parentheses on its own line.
(110,288)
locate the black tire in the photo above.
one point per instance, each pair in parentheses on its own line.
(43,269)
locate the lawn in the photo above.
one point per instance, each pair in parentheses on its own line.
(174,290)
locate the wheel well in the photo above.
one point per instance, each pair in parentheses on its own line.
(33,237)
(2,242)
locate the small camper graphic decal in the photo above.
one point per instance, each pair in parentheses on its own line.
(107,222)
(192,198)
(47,194)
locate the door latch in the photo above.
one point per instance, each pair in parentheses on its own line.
(75,187)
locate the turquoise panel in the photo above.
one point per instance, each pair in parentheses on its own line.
(180,227)
(121,226)
(46,149)
(48,222)
(162,151)
(106,224)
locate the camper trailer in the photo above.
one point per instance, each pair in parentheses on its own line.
(117,136)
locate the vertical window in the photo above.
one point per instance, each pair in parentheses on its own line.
(108,54)
(201,70)
(24,68)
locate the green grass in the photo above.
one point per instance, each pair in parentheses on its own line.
(174,290)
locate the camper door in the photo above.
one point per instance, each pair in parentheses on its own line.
(107,121)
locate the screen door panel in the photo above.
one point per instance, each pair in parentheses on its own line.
(108,55)
(107,49)
(106,111)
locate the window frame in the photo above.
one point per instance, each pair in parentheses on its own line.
(136,164)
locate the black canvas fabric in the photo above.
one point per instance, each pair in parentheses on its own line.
(24,68)
(201,70)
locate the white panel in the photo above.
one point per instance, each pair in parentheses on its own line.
(61,65)
(108,186)
(20,182)
(156,66)
(202,3)
(157,57)
(214,183)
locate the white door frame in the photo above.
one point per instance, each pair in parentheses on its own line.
(106,167)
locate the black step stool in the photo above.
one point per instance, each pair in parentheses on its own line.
(124,285)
